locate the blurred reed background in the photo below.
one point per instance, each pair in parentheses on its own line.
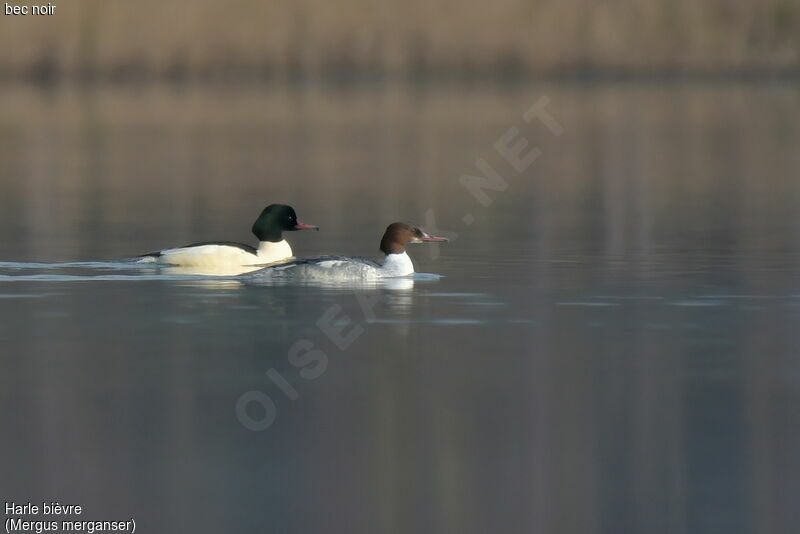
(368,38)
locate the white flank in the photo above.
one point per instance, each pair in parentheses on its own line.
(225,256)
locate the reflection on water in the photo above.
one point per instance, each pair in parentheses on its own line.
(208,270)
(611,346)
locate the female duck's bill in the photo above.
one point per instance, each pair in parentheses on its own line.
(228,258)
(343,269)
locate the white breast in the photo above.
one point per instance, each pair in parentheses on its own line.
(397,265)
(269,252)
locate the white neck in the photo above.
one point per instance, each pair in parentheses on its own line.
(397,265)
(269,252)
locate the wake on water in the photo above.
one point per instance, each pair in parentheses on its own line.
(134,270)
(93,270)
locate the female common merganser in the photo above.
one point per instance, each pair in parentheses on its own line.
(268,228)
(395,264)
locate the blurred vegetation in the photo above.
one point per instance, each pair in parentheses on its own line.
(373,38)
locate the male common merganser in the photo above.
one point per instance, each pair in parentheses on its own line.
(268,228)
(395,264)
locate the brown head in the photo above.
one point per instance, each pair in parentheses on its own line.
(399,234)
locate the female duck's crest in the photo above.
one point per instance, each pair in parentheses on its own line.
(399,234)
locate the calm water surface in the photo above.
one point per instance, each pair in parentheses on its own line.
(612,346)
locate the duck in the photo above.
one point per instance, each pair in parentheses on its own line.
(222,256)
(396,262)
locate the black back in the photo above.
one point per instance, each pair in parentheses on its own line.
(246,248)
